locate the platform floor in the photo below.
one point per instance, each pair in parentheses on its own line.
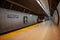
(42,31)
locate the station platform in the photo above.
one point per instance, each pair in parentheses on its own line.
(42,31)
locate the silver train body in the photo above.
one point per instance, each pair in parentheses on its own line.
(11,20)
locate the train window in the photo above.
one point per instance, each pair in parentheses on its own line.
(25,19)
(17,8)
(26,10)
(14,7)
(5,4)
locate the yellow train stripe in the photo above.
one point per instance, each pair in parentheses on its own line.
(5,36)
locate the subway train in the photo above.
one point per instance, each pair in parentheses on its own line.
(11,20)
(56,15)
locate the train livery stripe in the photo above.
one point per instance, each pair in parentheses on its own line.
(5,36)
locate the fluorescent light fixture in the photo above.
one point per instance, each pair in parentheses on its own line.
(46,10)
(40,3)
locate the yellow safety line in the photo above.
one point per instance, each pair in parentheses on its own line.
(5,36)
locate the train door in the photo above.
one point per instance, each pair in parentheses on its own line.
(25,19)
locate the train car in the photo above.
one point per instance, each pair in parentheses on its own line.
(58,9)
(11,20)
(56,15)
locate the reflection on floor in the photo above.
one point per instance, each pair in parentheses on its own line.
(42,31)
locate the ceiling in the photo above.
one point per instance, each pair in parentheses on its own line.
(52,5)
(45,6)
(49,5)
(32,5)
